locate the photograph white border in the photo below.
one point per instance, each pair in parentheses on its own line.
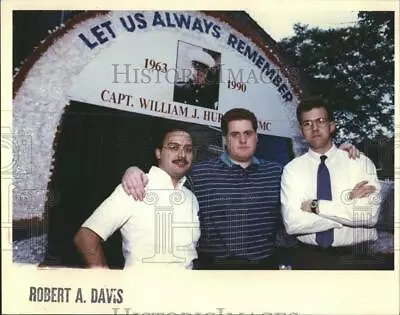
(258,292)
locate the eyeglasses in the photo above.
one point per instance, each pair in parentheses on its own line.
(307,124)
(175,147)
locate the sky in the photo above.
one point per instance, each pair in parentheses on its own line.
(279,24)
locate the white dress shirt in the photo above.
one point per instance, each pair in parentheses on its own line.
(160,231)
(352,220)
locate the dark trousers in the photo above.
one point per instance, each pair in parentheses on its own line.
(206,261)
(356,257)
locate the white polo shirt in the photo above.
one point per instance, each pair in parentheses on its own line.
(161,230)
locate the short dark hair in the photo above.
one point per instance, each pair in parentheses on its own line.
(311,102)
(164,128)
(237,114)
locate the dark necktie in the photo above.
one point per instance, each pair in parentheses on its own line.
(324,192)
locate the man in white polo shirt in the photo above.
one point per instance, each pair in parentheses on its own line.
(161,230)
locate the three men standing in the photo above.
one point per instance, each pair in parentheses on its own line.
(240,196)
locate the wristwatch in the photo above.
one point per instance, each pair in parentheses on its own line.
(314,206)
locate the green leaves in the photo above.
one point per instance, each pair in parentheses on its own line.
(353,68)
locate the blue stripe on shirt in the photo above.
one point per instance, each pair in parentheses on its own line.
(239,208)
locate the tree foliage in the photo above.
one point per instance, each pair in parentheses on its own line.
(353,69)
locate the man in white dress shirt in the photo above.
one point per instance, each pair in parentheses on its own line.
(161,230)
(333,227)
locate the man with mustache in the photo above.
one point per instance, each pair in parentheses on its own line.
(137,219)
(326,197)
(238,197)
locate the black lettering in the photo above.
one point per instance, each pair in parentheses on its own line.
(112,98)
(130,26)
(277,80)
(79,297)
(263,125)
(216,31)
(49,294)
(169,23)
(260,61)
(67,294)
(39,294)
(121,97)
(143,103)
(267,69)
(157,20)
(270,73)
(120,298)
(182,20)
(108,27)
(287,96)
(128,102)
(213,116)
(53,295)
(139,17)
(241,46)
(46,295)
(252,55)
(195,116)
(94,296)
(101,297)
(207,25)
(32,294)
(232,40)
(60,294)
(99,34)
(102,95)
(206,115)
(183,111)
(87,42)
(283,88)
(197,25)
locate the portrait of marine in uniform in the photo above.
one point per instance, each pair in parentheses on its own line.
(197,76)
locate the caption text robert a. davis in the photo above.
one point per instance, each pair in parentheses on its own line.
(78,295)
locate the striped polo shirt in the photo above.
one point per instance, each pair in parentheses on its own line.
(239,207)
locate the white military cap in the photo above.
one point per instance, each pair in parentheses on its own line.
(201,56)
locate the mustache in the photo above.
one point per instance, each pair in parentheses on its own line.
(183,160)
